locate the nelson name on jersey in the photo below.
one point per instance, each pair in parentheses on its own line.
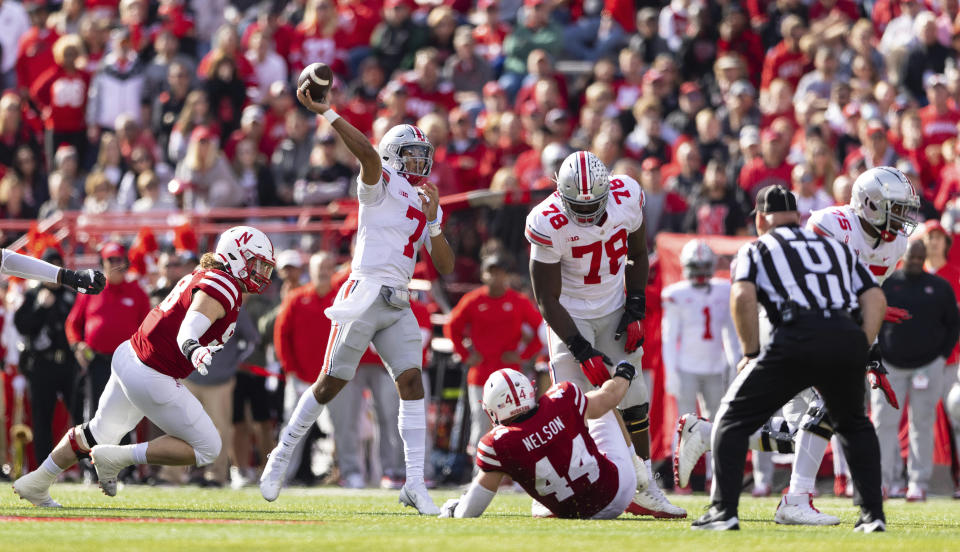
(539,438)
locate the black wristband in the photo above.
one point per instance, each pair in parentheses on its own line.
(636,304)
(188,347)
(579,346)
(625,370)
(754,354)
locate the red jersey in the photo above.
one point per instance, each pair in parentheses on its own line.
(553,457)
(300,330)
(938,128)
(312,45)
(496,326)
(783,64)
(420,101)
(62,98)
(35,54)
(756,174)
(155,341)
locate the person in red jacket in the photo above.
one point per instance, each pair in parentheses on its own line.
(35,50)
(300,333)
(786,60)
(501,324)
(938,119)
(61,94)
(770,168)
(466,152)
(98,324)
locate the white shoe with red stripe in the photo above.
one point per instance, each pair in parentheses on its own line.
(798,509)
(652,502)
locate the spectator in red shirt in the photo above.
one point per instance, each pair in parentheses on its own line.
(502,327)
(736,36)
(466,152)
(35,50)
(279,32)
(251,128)
(539,67)
(876,150)
(838,9)
(301,332)
(427,92)
(227,45)
(771,168)
(98,324)
(318,39)
(938,119)
(786,60)
(490,32)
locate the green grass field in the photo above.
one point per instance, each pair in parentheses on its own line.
(174,519)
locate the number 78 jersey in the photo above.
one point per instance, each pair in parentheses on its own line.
(592,258)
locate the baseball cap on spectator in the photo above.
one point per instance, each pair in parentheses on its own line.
(727,62)
(870,111)
(202,132)
(112,250)
(770,134)
(775,199)
(933,225)
(393,87)
(650,164)
(251,114)
(874,126)
(652,76)
(852,109)
(749,136)
(289,257)
(937,79)
(64,152)
(742,87)
(556,115)
(491,261)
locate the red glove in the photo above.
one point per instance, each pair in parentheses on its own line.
(630,322)
(879,381)
(592,362)
(634,336)
(896,315)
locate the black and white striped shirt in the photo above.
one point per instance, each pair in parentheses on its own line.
(792,263)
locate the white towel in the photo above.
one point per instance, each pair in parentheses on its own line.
(361,296)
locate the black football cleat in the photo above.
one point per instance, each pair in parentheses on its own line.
(717,519)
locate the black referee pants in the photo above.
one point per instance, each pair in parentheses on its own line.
(829,354)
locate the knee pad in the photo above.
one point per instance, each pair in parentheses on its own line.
(816,421)
(636,418)
(775,436)
(207,453)
(81,440)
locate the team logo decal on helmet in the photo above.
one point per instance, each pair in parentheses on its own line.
(248,256)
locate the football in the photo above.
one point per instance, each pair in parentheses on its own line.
(316,78)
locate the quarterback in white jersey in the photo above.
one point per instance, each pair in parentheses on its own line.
(397,216)
(699,341)
(876,224)
(588,246)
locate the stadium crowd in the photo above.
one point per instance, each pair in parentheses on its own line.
(137,106)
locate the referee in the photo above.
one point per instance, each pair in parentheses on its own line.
(808,285)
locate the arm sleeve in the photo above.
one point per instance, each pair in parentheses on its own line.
(474,502)
(30,268)
(76,320)
(194,325)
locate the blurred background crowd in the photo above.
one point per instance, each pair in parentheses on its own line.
(131,109)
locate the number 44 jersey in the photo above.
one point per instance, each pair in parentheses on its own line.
(592,258)
(155,341)
(553,457)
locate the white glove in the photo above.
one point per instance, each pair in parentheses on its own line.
(202,358)
(446,511)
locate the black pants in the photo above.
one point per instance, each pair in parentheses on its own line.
(98,372)
(47,381)
(829,354)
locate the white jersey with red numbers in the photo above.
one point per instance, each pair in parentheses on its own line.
(155,341)
(592,258)
(843,224)
(553,457)
(698,332)
(391,229)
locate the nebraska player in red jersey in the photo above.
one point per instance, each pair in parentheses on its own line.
(567,450)
(178,336)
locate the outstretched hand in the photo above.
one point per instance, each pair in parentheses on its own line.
(303,94)
(429,200)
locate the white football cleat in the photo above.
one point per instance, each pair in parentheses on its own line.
(33,488)
(418,497)
(108,460)
(693,441)
(652,502)
(798,509)
(538,510)
(271,480)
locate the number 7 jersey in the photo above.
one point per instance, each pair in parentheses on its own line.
(592,258)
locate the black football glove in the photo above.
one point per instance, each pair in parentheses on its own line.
(877,375)
(630,322)
(85,281)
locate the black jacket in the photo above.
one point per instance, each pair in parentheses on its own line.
(43,328)
(934,325)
